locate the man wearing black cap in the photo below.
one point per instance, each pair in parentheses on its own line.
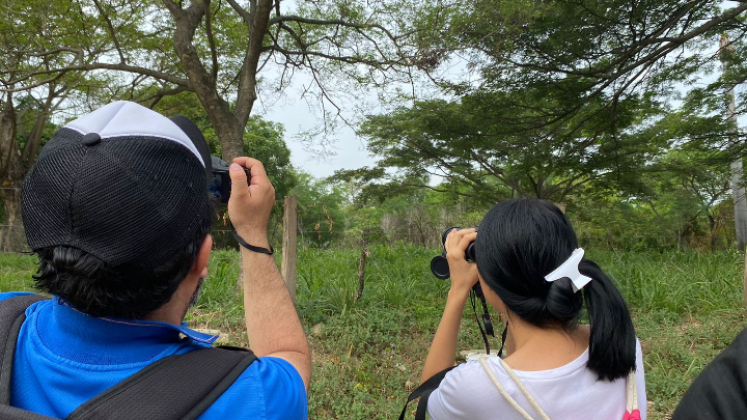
(117,209)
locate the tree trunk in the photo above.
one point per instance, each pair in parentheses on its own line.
(740,203)
(12,234)
(737,171)
(290,244)
(229,125)
(737,184)
(231,135)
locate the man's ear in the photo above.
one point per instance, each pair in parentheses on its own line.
(203,256)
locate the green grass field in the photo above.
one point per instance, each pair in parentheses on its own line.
(367,355)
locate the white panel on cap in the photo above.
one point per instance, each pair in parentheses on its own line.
(130,119)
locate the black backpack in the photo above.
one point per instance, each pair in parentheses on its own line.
(175,387)
(423,392)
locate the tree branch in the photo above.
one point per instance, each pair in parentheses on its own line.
(175,9)
(211,42)
(99,66)
(247,92)
(329,22)
(245,16)
(112,32)
(156,97)
(383,65)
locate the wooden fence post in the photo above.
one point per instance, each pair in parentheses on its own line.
(290,244)
(362,271)
(744,279)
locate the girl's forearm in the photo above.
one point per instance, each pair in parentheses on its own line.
(443,349)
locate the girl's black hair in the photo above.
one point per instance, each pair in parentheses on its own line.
(520,242)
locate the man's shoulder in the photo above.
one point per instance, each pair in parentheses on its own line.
(719,391)
(270,388)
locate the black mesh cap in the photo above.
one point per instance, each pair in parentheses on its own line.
(123,183)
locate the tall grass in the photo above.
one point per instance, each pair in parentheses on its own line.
(16,271)
(368,352)
(678,282)
(395,278)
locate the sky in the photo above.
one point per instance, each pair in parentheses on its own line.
(346,151)
(341,148)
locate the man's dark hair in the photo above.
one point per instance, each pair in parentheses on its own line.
(96,288)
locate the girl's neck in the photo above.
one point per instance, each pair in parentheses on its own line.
(531,348)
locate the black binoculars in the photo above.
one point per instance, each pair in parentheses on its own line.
(439,264)
(440,269)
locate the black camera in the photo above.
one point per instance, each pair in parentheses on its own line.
(439,264)
(219,187)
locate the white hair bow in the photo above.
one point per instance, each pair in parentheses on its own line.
(570,269)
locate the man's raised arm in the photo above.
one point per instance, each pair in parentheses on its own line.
(273,326)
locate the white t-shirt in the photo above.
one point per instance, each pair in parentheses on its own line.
(570,392)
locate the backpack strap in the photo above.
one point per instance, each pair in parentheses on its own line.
(424,392)
(631,413)
(175,387)
(522,388)
(631,408)
(11,413)
(12,315)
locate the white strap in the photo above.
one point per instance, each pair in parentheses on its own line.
(632,390)
(522,388)
(632,393)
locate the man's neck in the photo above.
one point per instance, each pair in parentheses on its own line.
(174,311)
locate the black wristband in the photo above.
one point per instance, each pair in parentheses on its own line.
(252,247)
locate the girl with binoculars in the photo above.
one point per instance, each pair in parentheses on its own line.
(532,272)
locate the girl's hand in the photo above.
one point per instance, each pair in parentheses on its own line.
(463,273)
(463,277)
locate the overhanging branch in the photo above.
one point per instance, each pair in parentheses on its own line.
(101,66)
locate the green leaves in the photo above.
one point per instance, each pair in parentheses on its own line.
(502,144)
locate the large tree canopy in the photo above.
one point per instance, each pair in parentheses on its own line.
(217,49)
(148,50)
(569,95)
(466,143)
(613,48)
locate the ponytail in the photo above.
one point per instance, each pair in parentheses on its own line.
(612,343)
(523,240)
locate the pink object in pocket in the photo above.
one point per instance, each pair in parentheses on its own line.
(635,415)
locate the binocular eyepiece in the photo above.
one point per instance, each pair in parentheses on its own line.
(439,264)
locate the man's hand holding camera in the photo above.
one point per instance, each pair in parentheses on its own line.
(251,200)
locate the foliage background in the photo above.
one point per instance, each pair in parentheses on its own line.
(367,354)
